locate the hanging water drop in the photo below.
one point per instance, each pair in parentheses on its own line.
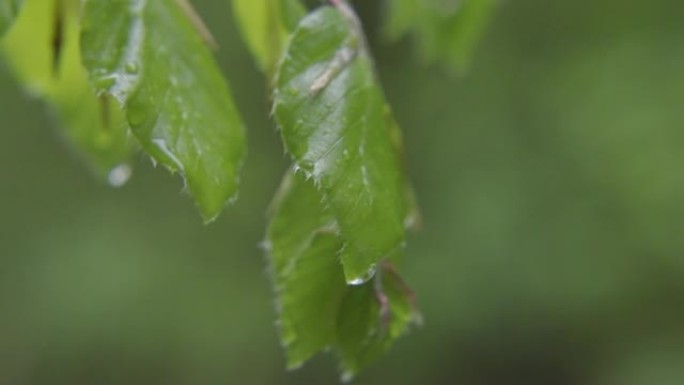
(360,280)
(119,175)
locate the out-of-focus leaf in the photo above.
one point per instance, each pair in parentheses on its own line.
(402,17)
(337,126)
(93,126)
(148,55)
(9,9)
(447,30)
(26,47)
(265,26)
(317,309)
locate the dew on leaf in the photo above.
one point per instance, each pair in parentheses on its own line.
(360,280)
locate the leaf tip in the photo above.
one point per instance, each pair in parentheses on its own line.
(210,211)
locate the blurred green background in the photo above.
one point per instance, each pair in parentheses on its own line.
(550,177)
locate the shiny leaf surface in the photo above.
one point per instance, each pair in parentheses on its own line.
(338,128)
(148,56)
(265,26)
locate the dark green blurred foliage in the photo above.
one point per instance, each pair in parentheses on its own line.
(552,193)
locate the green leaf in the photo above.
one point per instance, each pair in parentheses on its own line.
(9,9)
(93,126)
(265,25)
(364,332)
(148,56)
(307,275)
(447,30)
(402,17)
(338,128)
(317,309)
(26,48)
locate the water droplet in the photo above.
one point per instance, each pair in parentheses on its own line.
(360,280)
(132,68)
(347,376)
(119,175)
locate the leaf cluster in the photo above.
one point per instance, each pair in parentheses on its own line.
(123,76)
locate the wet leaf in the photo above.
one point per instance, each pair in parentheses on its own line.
(265,25)
(338,128)
(148,56)
(317,309)
(9,9)
(94,127)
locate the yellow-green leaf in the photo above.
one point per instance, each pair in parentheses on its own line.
(265,26)
(42,50)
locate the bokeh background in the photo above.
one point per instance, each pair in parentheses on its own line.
(552,186)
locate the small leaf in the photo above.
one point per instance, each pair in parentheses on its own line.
(93,126)
(317,309)
(447,30)
(336,125)
(9,9)
(265,25)
(364,332)
(148,56)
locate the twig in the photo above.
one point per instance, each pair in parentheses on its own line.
(198,23)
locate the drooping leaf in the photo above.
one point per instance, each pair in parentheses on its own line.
(364,329)
(93,126)
(265,25)
(26,47)
(9,9)
(338,128)
(447,30)
(317,309)
(148,56)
